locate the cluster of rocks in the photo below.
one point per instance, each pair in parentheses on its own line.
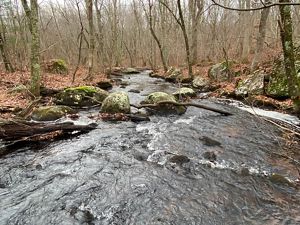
(112,103)
(273,84)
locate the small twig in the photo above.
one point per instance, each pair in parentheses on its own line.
(282,127)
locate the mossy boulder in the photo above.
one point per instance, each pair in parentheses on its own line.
(51,113)
(201,83)
(173,75)
(221,71)
(185,92)
(56,66)
(157,97)
(278,82)
(81,96)
(117,102)
(253,85)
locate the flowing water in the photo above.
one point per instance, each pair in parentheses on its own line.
(197,168)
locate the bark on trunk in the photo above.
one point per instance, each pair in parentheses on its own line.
(286,31)
(260,37)
(89,6)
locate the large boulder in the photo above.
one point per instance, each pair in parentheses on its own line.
(157,97)
(185,92)
(117,102)
(173,74)
(220,71)
(201,83)
(278,82)
(56,66)
(51,113)
(81,96)
(253,85)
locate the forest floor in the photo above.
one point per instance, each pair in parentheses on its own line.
(14,92)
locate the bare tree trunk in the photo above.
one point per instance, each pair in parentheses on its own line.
(186,40)
(32,14)
(151,27)
(286,31)
(195,8)
(89,6)
(7,64)
(260,37)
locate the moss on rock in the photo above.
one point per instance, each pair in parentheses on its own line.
(253,85)
(278,83)
(51,113)
(117,102)
(82,96)
(220,71)
(56,66)
(157,97)
(185,92)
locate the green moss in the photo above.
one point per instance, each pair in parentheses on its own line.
(185,92)
(50,113)
(157,97)
(116,103)
(82,96)
(58,66)
(278,84)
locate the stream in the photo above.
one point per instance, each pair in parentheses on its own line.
(196,168)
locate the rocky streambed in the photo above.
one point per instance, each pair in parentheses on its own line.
(196,168)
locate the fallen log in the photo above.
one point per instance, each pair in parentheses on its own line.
(225,113)
(18,129)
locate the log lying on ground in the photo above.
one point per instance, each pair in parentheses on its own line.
(18,129)
(225,113)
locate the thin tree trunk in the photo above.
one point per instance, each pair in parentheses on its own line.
(260,37)
(160,47)
(89,5)
(186,40)
(7,64)
(286,31)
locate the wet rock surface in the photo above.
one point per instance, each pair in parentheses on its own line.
(125,173)
(51,113)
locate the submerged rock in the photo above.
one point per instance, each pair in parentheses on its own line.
(51,113)
(117,102)
(253,85)
(56,66)
(220,72)
(157,97)
(185,92)
(81,96)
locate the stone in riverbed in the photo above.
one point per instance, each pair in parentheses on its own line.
(51,113)
(81,96)
(185,92)
(172,75)
(117,102)
(157,97)
(105,84)
(201,83)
